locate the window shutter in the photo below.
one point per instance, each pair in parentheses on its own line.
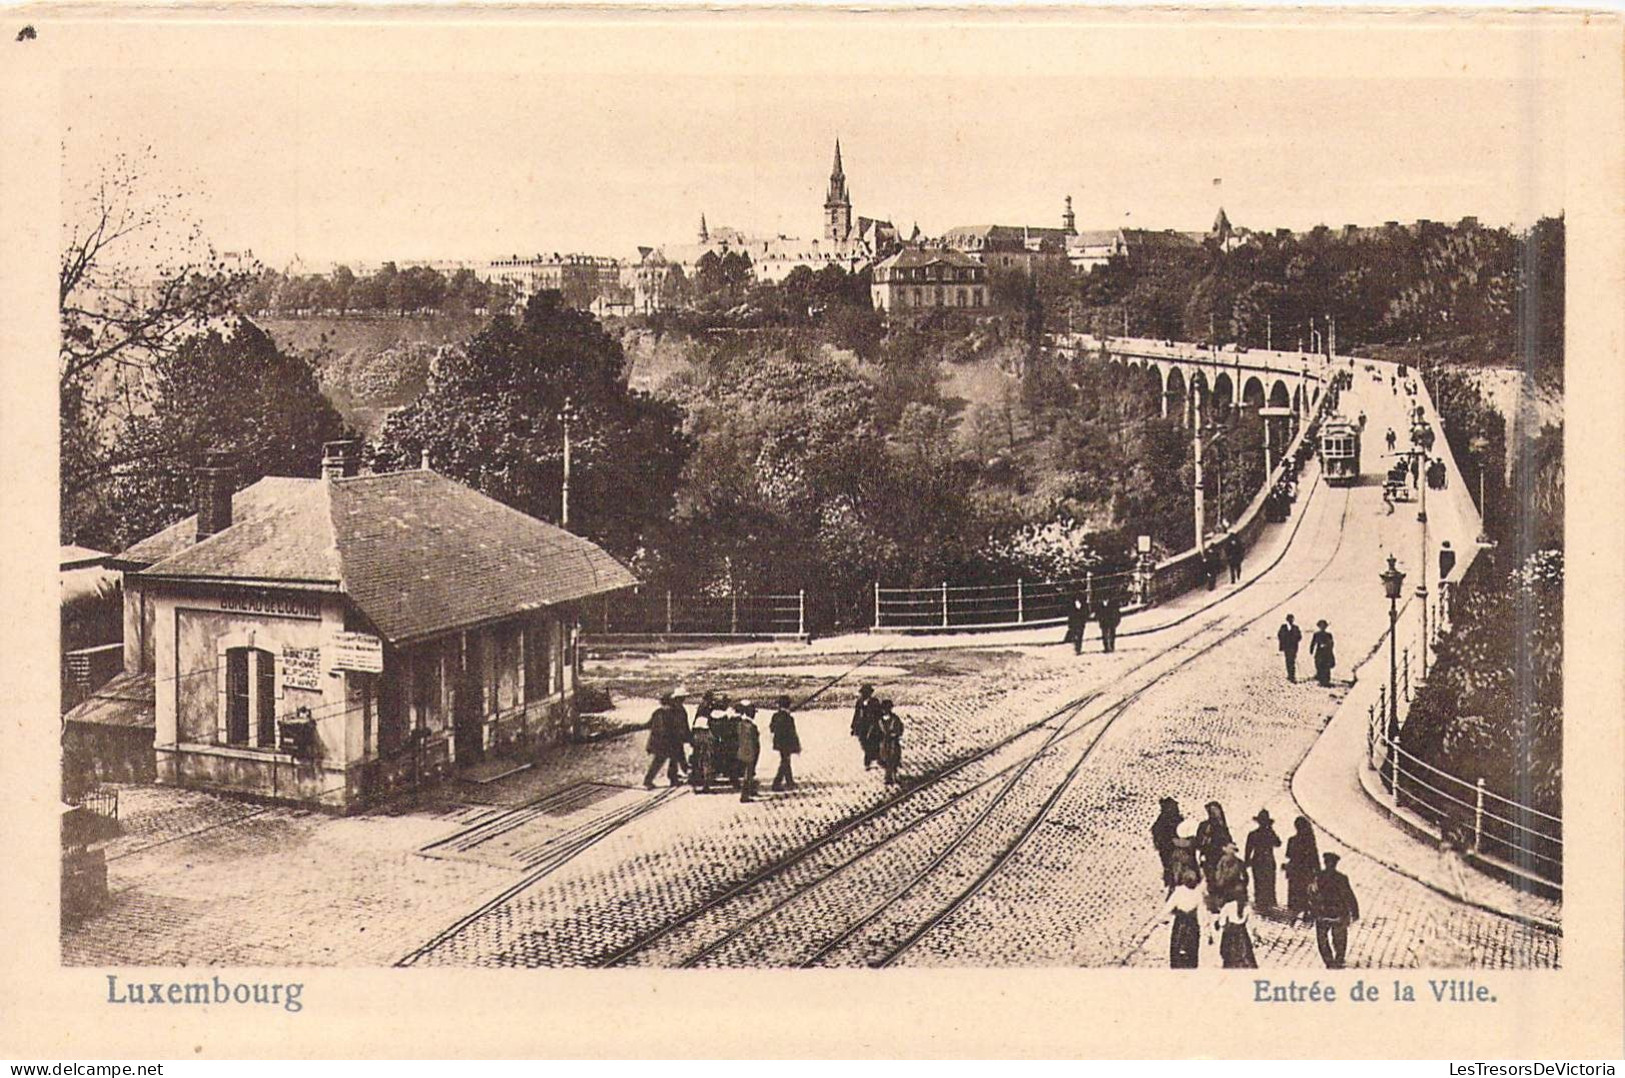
(265,699)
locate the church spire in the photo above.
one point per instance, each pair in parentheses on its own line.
(705,233)
(838,203)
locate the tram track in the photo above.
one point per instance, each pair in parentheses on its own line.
(933,783)
(1014,846)
(742,935)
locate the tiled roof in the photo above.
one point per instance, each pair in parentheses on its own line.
(81,557)
(268,494)
(423,554)
(911,257)
(291,540)
(1104,237)
(1002,235)
(416,552)
(125,700)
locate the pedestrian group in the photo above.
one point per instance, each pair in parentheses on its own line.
(1207,879)
(726,742)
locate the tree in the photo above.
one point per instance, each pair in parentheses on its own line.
(228,388)
(490,418)
(343,283)
(120,317)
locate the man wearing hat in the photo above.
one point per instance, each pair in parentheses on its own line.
(668,734)
(1334,906)
(749,740)
(1163,833)
(1261,846)
(785,742)
(1287,639)
(889,741)
(865,721)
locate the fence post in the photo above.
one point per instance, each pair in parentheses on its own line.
(668,611)
(1089,588)
(801,612)
(877,604)
(1478,816)
(944,604)
(733,613)
(1021,601)
(606,614)
(1397,764)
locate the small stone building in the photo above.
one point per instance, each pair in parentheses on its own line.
(326,641)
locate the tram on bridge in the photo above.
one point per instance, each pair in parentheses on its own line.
(1340,452)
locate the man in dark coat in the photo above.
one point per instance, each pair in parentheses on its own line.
(1321,650)
(785,742)
(749,740)
(1447,560)
(890,729)
(1232,557)
(1077,624)
(1111,616)
(668,734)
(1334,906)
(725,748)
(1163,833)
(865,716)
(1287,639)
(1210,566)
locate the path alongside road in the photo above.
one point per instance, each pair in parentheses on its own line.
(1021,839)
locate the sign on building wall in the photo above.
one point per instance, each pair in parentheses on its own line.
(260,602)
(360,652)
(301,668)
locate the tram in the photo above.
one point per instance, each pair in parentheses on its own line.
(1340,451)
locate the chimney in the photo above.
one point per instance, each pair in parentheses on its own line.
(339,459)
(216,482)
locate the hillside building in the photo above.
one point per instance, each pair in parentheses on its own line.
(928,279)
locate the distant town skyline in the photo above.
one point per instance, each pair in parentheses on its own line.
(329,165)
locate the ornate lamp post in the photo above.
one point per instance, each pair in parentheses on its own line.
(1422,443)
(1479,445)
(1393,585)
(567,415)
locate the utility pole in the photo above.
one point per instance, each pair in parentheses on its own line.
(566,415)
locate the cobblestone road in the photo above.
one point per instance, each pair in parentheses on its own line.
(992,854)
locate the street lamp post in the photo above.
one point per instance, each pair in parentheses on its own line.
(567,415)
(1393,585)
(1422,444)
(1479,445)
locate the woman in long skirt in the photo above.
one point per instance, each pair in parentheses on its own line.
(1184,908)
(1235,937)
(1261,846)
(1302,866)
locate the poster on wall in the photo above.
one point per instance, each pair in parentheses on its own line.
(301,668)
(359,652)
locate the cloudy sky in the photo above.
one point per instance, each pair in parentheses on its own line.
(601,138)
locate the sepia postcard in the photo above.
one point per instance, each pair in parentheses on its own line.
(789,532)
